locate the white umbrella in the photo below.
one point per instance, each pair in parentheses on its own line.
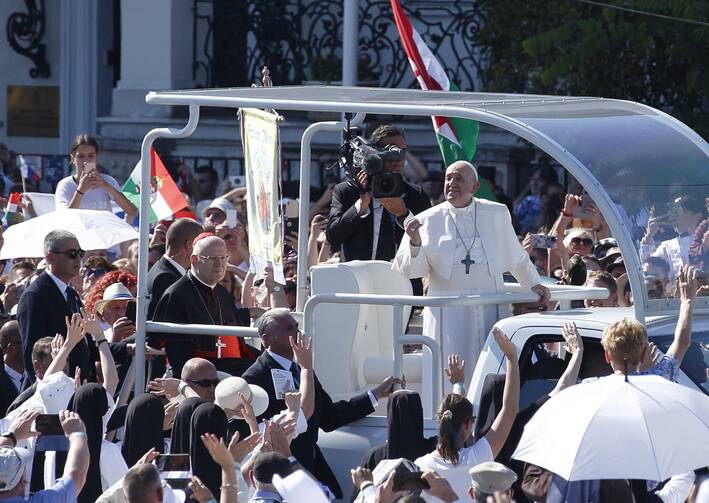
(648,428)
(95,230)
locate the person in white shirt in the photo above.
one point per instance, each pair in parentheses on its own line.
(87,188)
(455,455)
(686,216)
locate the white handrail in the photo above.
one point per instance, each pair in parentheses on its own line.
(558,293)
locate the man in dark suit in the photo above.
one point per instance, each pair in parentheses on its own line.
(276,328)
(366,228)
(174,264)
(46,303)
(12,368)
(41,360)
(198,298)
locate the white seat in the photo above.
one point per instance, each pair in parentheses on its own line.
(353,343)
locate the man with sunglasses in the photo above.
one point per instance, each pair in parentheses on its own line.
(47,302)
(198,298)
(371,229)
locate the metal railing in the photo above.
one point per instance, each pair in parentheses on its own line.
(558,293)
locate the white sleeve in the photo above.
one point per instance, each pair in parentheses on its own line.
(358,207)
(112,182)
(113,466)
(479,452)
(410,260)
(64,193)
(677,488)
(301,424)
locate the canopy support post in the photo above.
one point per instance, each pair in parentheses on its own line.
(144,238)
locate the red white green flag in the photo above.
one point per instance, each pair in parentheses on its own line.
(165,197)
(457,138)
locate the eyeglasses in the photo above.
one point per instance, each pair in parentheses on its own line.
(87,272)
(72,254)
(205,383)
(582,241)
(214,258)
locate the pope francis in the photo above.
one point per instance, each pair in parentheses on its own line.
(463,245)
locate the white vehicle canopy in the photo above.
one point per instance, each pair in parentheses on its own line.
(628,157)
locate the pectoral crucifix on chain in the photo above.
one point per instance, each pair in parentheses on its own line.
(467,261)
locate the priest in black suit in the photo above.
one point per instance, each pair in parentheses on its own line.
(366,228)
(276,327)
(47,302)
(198,298)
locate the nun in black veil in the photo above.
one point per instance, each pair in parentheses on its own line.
(405,437)
(106,465)
(180,443)
(143,428)
(207,418)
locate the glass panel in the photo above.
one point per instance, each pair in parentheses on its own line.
(645,166)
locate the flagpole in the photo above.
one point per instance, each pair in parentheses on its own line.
(350,44)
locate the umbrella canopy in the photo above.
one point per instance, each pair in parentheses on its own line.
(95,230)
(647,428)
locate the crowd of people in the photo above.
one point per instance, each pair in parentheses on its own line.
(228,420)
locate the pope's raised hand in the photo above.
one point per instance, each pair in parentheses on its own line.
(412,227)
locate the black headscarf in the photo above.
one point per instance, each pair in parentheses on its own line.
(180,443)
(207,418)
(91,404)
(405,427)
(144,421)
(404,433)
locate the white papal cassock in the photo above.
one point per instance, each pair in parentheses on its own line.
(486,230)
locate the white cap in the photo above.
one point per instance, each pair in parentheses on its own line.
(226,396)
(299,486)
(491,477)
(222,204)
(115,291)
(12,467)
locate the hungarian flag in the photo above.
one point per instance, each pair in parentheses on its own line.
(457,138)
(12,214)
(165,198)
(26,170)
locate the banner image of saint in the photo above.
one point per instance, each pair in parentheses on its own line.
(262,163)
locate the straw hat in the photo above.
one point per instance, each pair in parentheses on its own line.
(115,291)
(226,396)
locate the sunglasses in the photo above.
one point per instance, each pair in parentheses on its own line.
(582,241)
(72,254)
(205,383)
(87,272)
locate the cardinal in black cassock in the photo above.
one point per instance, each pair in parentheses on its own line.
(198,298)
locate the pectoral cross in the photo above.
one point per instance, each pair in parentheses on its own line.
(467,261)
(219,346)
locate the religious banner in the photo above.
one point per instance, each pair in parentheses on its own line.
(261,142)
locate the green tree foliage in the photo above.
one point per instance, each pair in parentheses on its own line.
(567,47)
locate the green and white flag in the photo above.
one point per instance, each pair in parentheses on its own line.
(457,138)
(165,197)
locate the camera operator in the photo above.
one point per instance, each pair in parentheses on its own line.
(369,228)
